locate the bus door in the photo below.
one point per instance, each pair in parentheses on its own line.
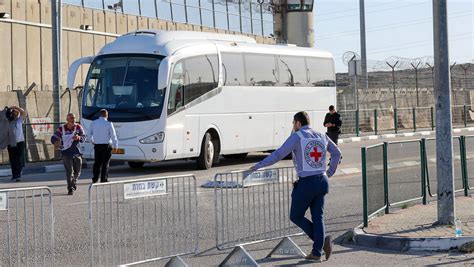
(176,116)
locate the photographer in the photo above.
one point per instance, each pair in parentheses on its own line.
(67,138)
(16,147)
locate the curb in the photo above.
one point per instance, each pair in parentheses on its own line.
(389,136)
(52,168)
(403,244)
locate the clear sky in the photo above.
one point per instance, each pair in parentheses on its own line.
(402,28)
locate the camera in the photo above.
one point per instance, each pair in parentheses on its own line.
(9,114)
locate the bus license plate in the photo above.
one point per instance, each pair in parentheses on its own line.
(118,151)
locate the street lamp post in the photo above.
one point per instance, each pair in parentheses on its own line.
(56,25)
(444,141)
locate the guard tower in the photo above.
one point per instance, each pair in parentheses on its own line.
(294,22)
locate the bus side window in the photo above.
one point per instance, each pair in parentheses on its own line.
(201,76)
(320,72)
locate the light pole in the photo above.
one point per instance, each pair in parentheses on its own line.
(56,25)
(444,141)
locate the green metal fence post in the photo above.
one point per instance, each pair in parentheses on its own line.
(375,121)
(357,122)
(462,142)
(423,172)
(465,115)
(385,177)
(414,119)
(395,119)
(364,188)
(432,118)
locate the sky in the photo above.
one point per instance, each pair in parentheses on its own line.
(402,28)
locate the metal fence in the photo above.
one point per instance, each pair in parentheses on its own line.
(38,141)
(144,220)
(253,207)
(374,179)
(384,180)
(469,159)
(26,220)
(375,121)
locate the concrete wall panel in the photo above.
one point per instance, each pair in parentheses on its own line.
(73,17)
(132,23)
(65,57)
(99,42)
(19,56)
(99,21)
(6,6)
(163,25)
(6,56)
(197,28)
(33,11)
(109,39)
(45,13)
(46,59)
(153,24)
(110,23)
(170,26)
(121,23)
(75,51)
(87,17)
(33,54)
(87,50)
(143,23)
(18,8)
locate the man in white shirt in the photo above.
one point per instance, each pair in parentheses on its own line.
(16,151)
(103,137)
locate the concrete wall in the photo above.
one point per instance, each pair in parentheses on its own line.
(25,49)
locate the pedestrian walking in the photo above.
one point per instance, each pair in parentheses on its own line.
(105,141)
(309,149)
(67,138)
(16,140)
(333,123)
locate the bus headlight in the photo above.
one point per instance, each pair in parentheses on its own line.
(154,138)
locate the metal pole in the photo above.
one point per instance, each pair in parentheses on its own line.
(56,56)
(444,141)
(363,52)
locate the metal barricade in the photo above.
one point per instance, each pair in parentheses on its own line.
(469,159)
(374,180)
(430,159)
(143,220)
(254,207)
(27,223)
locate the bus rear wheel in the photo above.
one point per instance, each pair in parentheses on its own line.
(135,165)
(209,148)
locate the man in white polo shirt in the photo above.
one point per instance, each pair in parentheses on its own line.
(103,137)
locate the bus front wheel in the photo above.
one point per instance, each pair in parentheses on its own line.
(135,165)
(209,148)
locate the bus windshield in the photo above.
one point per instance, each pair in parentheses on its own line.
(127,86)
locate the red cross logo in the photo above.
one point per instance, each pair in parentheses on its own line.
(315,154)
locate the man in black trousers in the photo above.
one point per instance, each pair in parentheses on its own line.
(333,123)
(105,141)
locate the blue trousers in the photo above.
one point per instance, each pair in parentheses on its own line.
(309,192)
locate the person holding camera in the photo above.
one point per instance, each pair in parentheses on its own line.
(67,138)
(16,140)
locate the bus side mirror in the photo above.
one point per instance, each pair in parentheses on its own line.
(163,74)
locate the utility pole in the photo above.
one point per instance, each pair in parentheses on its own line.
(444,144)
(363,52)
(56,6)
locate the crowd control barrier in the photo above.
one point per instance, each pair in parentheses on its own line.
(27,227)
(140,221)
(253,207)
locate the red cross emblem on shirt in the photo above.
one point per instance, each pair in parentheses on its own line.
(315,154)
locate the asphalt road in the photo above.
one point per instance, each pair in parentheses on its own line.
(343,209)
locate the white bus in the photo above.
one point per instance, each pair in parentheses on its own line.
(181,95)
